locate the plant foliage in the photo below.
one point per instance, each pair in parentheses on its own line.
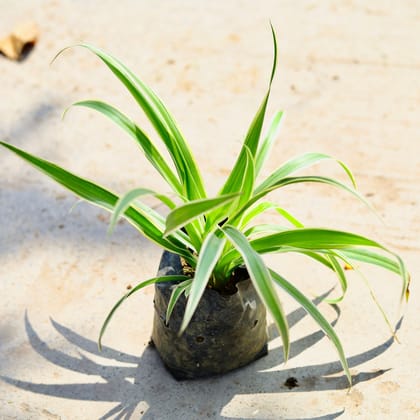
(216,235)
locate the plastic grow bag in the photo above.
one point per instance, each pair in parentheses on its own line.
(225,333)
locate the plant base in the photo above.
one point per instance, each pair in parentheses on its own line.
(225,333)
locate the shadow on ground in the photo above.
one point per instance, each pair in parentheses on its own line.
(141,387)
(34,216)
(37,116)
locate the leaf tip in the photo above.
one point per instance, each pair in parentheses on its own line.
(100,341)
(182,330)
(273,71)
(407,289)
(64,113)
(59,53)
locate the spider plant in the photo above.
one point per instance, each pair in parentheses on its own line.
(216,235)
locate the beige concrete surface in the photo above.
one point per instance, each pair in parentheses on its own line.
(348,82)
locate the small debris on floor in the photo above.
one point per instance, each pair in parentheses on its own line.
(20,41)
(291,382)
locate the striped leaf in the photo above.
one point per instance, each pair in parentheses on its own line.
(161,120)
(262,281)
(313,311)
(207,259)
(146,145)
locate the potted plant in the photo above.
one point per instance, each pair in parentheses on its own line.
(213,286)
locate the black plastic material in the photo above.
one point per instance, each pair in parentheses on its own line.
(225,333)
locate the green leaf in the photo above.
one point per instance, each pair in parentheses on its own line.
(267,143)
(297,180)
(341,275)
(101,197)
(241,175)
(126,200)
(312,238)
(252,138)
(312,310)
(247,180)
(232,258)
(264,228)
(161,120)
(210,252)
(262,281)
(159,221)
(373,296)
(265,206)
(185,213)
(371,257)
(177,291)
(241,180)
(127,295)
(326,239)
(296,164)
(183,158)
(322,180)
(274,66)
(254,132)
(146,145)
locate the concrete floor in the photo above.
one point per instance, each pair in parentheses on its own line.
(348,81)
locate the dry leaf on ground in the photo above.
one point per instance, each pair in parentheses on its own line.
(13,45)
